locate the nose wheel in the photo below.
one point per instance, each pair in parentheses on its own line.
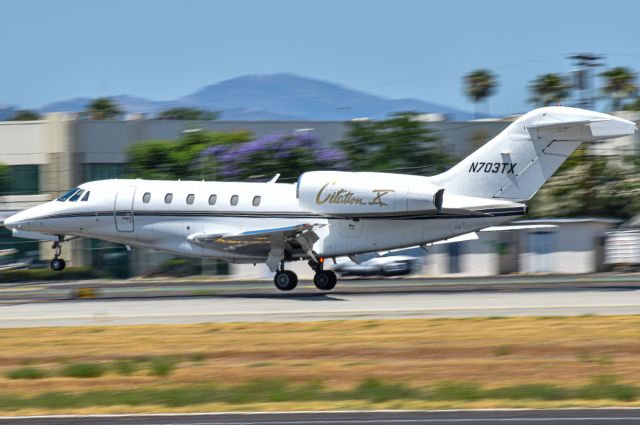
(57,264)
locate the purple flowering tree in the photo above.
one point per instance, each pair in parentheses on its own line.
(287,154)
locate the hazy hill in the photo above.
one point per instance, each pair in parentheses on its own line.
(275,97)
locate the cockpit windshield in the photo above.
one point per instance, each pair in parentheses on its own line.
(76,195)
(66,195)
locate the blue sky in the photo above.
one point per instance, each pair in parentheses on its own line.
(53,50)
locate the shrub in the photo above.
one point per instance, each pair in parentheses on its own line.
(47,274)
(377,390)
(607,387)
(125,367)
(26,372)
(162,366)
(528,392)
(456,391)
(503,350)
(83,370)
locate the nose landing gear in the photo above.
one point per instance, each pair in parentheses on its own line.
(57,264)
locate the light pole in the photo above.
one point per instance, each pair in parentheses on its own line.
(582,75)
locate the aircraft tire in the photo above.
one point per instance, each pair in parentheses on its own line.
(285,280)
(58,264)
(325,280)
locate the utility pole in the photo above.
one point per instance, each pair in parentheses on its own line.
(584,63)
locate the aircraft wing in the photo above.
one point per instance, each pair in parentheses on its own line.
(249,236)
(258,241)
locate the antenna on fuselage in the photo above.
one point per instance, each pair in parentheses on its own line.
(274,179)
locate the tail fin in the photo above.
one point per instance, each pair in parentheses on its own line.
(517,162)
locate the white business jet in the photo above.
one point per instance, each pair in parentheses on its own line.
(326,214)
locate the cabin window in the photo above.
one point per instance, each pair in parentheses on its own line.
(213,199)
(190,198)
(86,196)
(234,200)
(146,197)
(168,198)
(256,200)
(66,195)
(76,195)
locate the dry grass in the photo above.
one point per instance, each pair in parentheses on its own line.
(492,352)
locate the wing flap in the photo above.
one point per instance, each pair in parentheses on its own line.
(249,235)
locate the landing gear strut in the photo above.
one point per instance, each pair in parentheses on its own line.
(57,264)
(285,280)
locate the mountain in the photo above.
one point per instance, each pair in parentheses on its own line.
(7,112)
(128,103)
(276,97)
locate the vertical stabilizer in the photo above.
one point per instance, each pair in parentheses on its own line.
(517,162)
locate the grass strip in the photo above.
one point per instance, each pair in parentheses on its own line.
(275,391)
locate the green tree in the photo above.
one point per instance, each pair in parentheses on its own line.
(619,84)
(103,108)
(181,158)
(287,154)
(401,143)
(4,178)
(589,185)
(480,85)
(26,115)
(188,114)
(548,89)
(634,105)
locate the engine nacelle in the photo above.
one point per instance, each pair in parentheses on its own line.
(353,194)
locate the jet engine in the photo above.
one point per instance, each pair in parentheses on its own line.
(353,194)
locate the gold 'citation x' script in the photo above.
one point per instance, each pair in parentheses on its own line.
(345,197)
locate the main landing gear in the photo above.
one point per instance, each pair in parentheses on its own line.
(285,280)
(325,280)
(57,264)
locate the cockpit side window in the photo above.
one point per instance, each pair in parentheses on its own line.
(86,196)
(66,195)
(76,195)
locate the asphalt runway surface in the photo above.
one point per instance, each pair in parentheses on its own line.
(505,417)
(260,302)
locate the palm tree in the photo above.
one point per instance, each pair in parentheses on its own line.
(620,83)
(548,89)
(480,85)
(103,108)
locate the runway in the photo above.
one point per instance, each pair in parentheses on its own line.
(313,306)
(505,417)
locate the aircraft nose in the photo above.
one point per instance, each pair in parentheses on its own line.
(14,221)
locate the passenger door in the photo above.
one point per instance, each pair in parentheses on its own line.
(123,208)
